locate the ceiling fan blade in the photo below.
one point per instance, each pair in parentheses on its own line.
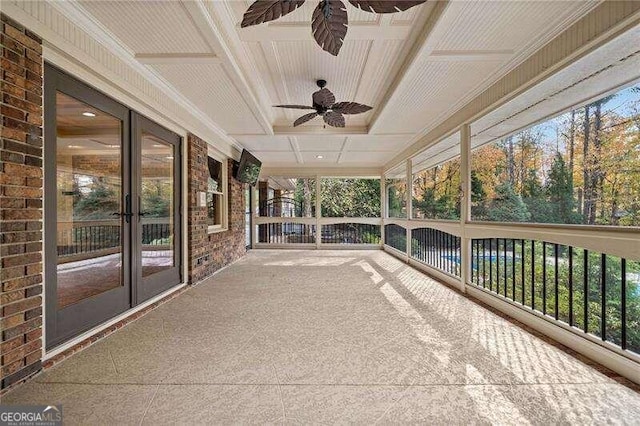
(305,118)
(333,118)
(385,6)
(268,10)
(350,108)
(324,98)
(293,106)
(329,24)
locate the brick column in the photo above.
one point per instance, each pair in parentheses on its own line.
(209,252)
(263,196)
(20,204)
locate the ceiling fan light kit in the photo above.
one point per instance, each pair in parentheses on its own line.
(324,104)
(329,20)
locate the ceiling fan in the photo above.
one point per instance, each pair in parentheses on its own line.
(324,104)
(329,20)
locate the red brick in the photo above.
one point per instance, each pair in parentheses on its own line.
(23,39)
(20,170)
(21,329)
(21,352)
(7,274)
(21,214)
(14,296)
(13,112)
(22,306)
(21,282)
(23,259)
(12,344)
(12,321)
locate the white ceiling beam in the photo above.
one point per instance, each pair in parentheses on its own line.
(320,130)
(296,149)
(469,55)
(422,47)
(214,37)
(177,58)
(264,33)
(332,171)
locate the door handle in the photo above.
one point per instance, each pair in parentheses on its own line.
(127,209)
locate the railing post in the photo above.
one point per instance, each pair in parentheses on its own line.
(318,212)
(409,195)
(465,204)
(383,206)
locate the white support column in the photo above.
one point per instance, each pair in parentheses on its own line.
(383,205)
(318,213)
(409,196)
(254,214)
(465,205)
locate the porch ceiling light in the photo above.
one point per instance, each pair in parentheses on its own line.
(319,157)
(88,114)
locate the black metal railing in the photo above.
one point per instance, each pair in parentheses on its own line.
(395,236)
(286,233)
(285,207)
(91,238)
(87,239)
(438,249)
(156,234)
(593,292)
(351,233)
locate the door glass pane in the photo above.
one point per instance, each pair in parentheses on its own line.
(156,205)
(89,194)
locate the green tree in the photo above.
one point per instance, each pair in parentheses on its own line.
(350,197)
(507,206)
(98,200)
(559,190)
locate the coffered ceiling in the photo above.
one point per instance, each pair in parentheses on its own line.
(415,67)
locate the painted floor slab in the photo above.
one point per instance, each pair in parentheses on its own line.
(327,337)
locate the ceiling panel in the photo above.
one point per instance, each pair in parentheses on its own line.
(320,143)
(301,63)
(327,157)
(275,157)
(149,26)
(376,143)
(430,91)
(503,25)
(265,143)
(214,93)
(365,157)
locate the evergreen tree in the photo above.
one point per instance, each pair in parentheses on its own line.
(507,206)
(559,189)
(478,197)
(100,202)
(533,195)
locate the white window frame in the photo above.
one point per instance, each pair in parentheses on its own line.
(223,193)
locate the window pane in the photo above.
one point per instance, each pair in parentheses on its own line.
(436,192)
(350,197)
(89,194)
(582,167)
(156,205)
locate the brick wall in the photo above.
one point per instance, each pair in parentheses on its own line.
(20,204)
(218,249)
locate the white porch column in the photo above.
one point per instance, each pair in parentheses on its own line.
(409,195)
(318,213)
(465,205)
(383,205)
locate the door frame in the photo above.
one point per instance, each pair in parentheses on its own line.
(61,325)
(64,325)
(145,288)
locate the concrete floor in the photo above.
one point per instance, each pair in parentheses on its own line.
(326,337)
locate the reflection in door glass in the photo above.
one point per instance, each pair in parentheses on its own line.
(156,205)
(89,194)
